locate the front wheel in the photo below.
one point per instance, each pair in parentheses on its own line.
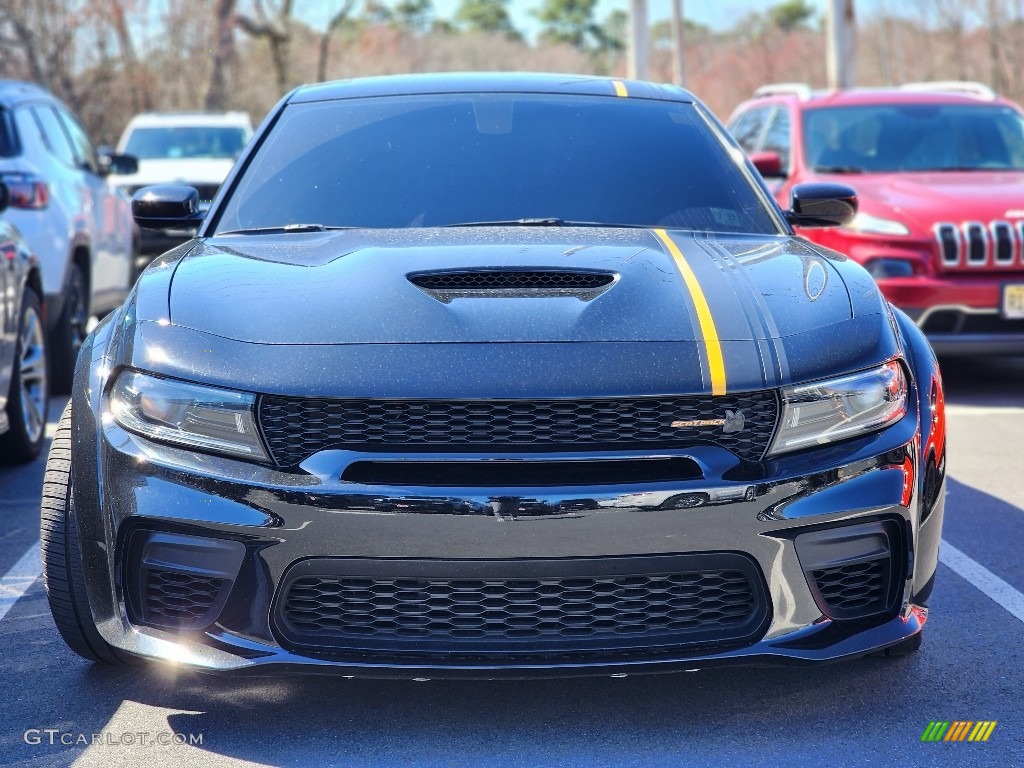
(62,555)
(29,396)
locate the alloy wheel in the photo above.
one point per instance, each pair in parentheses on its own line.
(32,374)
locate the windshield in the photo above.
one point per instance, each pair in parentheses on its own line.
(190,141)
(914,137)
(446,160)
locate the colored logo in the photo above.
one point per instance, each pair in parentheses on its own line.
(958,730)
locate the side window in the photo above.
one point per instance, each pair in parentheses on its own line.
(53,135)
(748,127)
(777,138)
(84,151)
(8,137)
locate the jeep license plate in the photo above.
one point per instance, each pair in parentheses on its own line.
(1013,302)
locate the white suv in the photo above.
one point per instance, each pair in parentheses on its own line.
(80,229)
(192,148)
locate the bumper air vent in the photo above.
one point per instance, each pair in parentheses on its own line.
(179,582)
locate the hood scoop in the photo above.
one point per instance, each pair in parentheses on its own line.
(512,283)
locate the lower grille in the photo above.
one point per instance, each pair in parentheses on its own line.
(954,321)
(520,608)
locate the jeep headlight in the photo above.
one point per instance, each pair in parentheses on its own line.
(875,225)
(191,415)
(838,409)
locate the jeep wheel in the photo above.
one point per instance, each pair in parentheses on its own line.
(29,395)
(68,334)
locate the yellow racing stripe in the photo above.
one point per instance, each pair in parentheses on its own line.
(620,88)
(716,363)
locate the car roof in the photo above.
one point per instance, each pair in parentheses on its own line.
(15,91)
(915,93)
(487,82)
(173,119)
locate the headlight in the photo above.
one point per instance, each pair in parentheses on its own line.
(204,418)
(873,225)
(827,411)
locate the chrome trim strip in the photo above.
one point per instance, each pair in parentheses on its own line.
(953,308)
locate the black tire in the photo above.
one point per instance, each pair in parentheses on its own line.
(27,427)
(903,648)
(68,334)
(62,556)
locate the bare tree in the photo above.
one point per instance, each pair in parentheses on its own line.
(276,29)
(224,54)
(325,39)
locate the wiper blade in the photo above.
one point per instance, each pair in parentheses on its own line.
(546,222)
(839,169)
(287,229)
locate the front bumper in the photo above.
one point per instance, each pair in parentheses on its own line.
(264,524)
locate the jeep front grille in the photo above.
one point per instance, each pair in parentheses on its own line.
(974,245)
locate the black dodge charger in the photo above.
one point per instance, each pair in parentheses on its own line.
(496,375)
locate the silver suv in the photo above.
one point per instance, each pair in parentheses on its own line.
(79,227)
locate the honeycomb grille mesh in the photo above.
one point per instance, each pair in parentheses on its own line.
(296,428)
(516,614)
(180,599)
(510,280)
(856,589)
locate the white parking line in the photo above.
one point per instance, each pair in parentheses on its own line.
(16,582)
(982,578)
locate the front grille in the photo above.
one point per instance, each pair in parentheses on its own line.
(520,607)
(296,428)
(973,245)
(172,598)
(856,589)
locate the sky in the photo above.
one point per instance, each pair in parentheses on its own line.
(717,14)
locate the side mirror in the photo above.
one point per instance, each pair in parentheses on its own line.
(167,206)
(768,164)
(112,162)
(4,197)
(821,205)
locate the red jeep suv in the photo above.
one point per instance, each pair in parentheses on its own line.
(939,168)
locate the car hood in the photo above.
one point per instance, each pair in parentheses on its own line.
(357,287)
(926,198)
(177,171)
